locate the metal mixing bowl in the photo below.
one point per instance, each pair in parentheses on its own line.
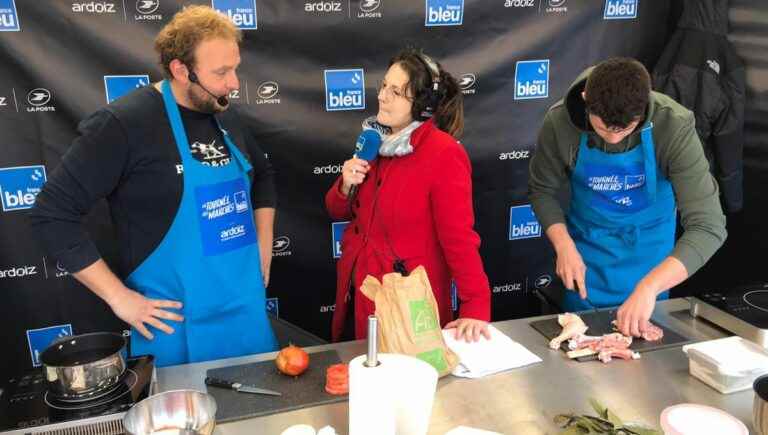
(187,412)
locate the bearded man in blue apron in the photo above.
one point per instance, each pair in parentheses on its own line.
(633,160)
(193,216)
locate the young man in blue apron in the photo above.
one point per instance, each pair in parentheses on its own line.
(633,160)
(193,216)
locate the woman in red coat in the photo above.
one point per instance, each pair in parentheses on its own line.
(413,204)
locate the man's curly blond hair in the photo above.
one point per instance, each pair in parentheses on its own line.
(188,28)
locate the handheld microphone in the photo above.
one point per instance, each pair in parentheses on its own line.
(366,148)
(221,100)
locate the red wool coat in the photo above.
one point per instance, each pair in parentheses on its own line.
(420,207)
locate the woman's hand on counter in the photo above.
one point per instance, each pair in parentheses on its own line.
(469,330)
(136,310)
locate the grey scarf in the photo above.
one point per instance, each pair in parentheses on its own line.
(398,144)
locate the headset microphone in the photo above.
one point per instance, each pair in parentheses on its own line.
(221,100)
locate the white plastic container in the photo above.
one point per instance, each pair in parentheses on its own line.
(727,364)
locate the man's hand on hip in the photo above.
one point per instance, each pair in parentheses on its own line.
(137,310)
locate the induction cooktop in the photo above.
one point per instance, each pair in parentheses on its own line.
(26,406)
(742,310)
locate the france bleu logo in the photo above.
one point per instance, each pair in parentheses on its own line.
(337,230)
(523,223)
(9,19)
(241,12)
(20,185)
(344,89)
(39,339)
(117,86)
(620,9)
(444,13)
(531,79)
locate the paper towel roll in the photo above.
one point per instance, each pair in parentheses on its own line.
(393,398)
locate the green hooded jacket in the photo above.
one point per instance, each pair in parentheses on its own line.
(679,156)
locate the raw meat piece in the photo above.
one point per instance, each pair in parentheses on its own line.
(572,325)
(582,341)
(597,343)
(653,333)
(606,355)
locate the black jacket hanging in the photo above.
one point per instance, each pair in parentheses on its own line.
(700,69)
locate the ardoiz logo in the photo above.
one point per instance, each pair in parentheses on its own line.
(6,100)
(444,12)
(18,272)
(531,79)
(40,339)
(327,308)
(508,288)
(323,6)
(20,185)
(267,92)
(273,306)
(514,155)
(523,223)
(117,86)
(94,7)
(467,83)
(280,246)
(620,9)
(519,3)
(236,95)
(369,9)
(344,89)
(9,19)
(146,10)
(241,12)
(38,99)
(327,169)
(337,230)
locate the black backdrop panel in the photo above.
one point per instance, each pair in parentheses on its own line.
(54,74)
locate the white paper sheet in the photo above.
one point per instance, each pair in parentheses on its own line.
(487,357)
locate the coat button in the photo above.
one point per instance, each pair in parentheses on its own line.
(357,203)
(354,215)
(357,230)
(378,182)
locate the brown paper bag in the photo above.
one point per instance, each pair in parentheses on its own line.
(409,322)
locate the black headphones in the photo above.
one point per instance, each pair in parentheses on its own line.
(426,100)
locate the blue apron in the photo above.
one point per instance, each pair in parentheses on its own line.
(208,260)
(622,219)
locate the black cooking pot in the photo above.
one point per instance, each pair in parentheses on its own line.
(83,367)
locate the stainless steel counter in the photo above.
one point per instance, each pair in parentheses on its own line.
(523,401)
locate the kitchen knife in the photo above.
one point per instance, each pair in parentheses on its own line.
(239,387)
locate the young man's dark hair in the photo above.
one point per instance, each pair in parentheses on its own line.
(617,91)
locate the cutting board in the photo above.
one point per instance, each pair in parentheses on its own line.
(599,323)
(298,392)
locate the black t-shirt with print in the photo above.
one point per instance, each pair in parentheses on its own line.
(126,154)
(205,139)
